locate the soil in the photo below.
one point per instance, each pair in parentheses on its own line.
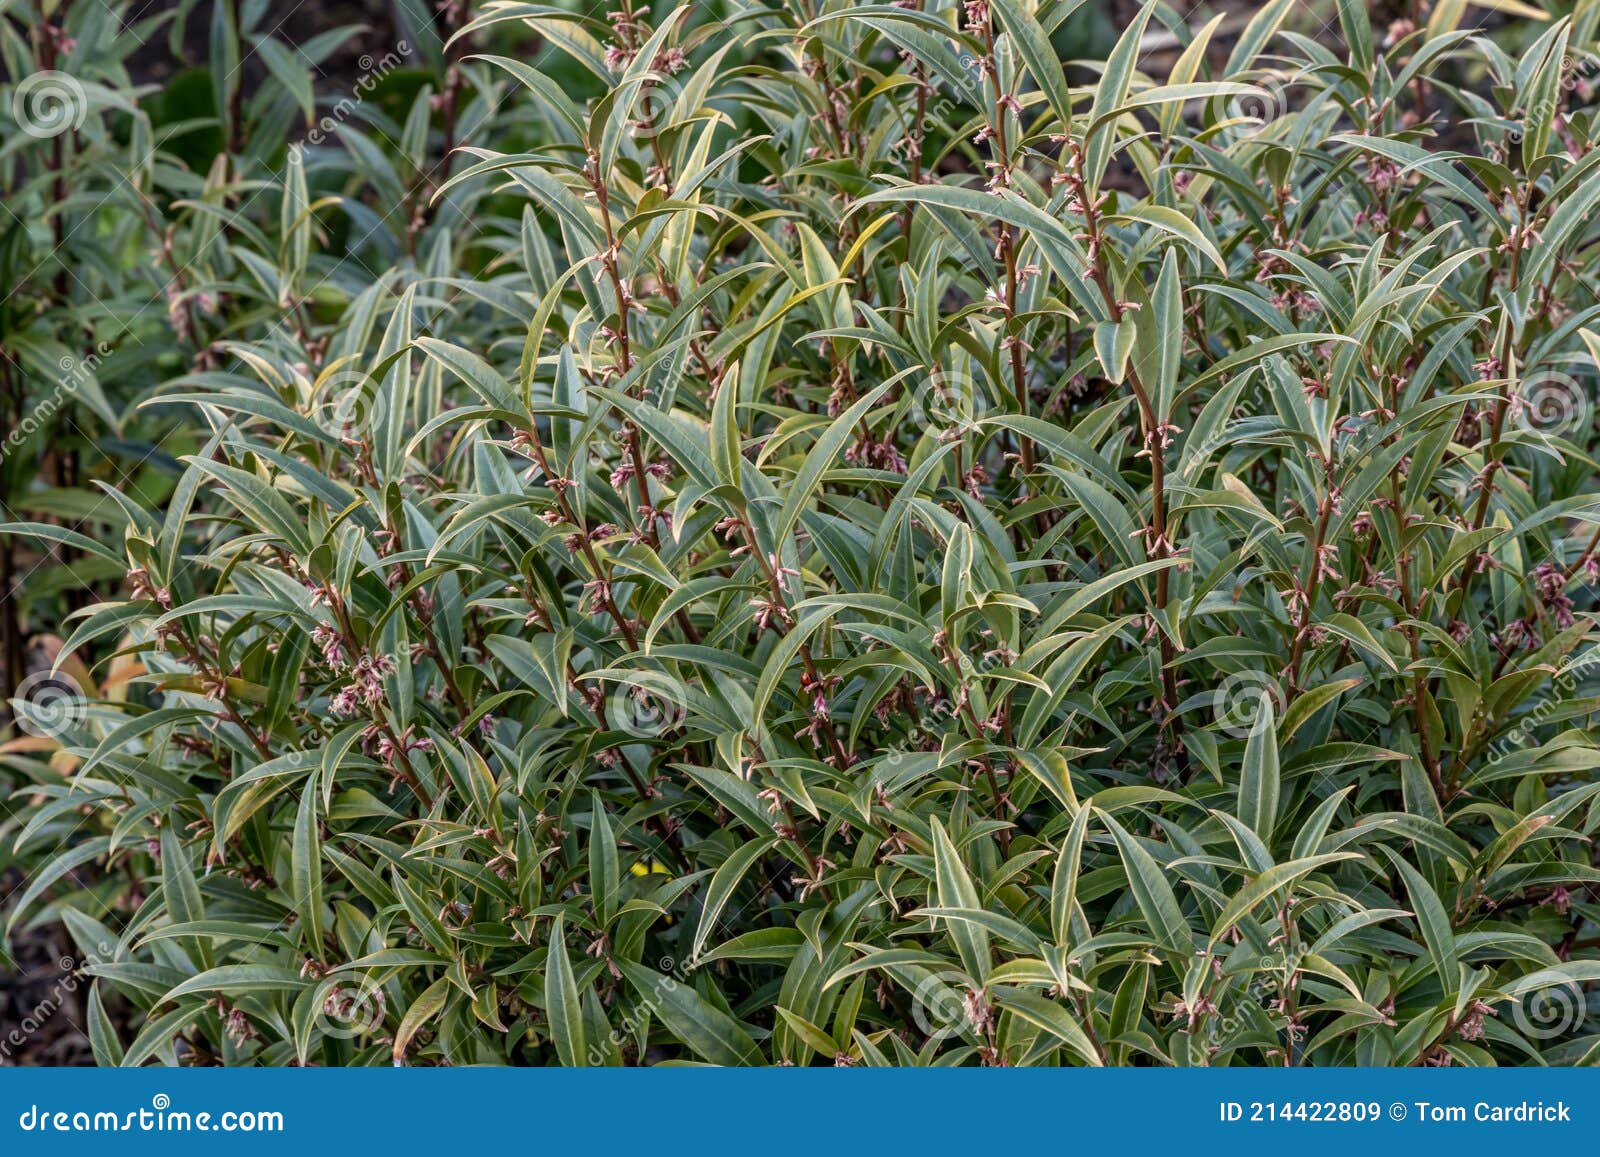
(42,1001)
(155,62)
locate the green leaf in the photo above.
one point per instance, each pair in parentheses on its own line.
(1051,1017)
(306,874)
(563,1011)
(953,888)
(237,979)
(1033,46)
(706,1030)
(1268,882)
(1437,932)
(723,883)
(1110,93)
(1152,892)
(1259,777)
(818,461)
(605,875)
(1173,222)
(1064,884)
(422,1010)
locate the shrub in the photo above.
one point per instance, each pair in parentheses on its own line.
(84,331)
(904,551)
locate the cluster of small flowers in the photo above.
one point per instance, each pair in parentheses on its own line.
(818,689)
(144,588)
(1382,174)
(1518,237)
(1550,580)
(578,539)
(235,1023)
(882,455)
(977,13)
(330,643)
(1518,635)
(365,687)
(1292,297)
(389,749)
(629,32)
(624,473)
(1470,1026)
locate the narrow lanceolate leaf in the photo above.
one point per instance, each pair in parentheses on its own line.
(1356,25)
(422,1010)
(562,1008)
(307,871)
(1055,1020)
(819,460)
(605,875)
(1033,46)
(1274,879)
(1571,973)
(1064,883)
(1110,94)
(725,454)
(723,883)
(1173,222)
(705,1029)
(1309,703)
(1153,893)
(485,381)
(1540,100)
(953,888)
(1434,921)
(236,979)
(1259,776)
